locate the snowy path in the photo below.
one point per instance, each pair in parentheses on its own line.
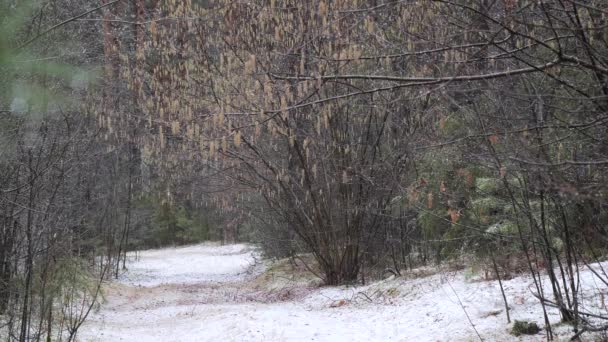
(207,293)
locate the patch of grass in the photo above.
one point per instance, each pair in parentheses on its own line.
(524,328)
(289,272)
(393,292)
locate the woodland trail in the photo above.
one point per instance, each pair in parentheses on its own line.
(218,293)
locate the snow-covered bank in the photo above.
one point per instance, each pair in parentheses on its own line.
(204,293)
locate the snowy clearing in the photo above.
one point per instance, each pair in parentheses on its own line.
(216,293)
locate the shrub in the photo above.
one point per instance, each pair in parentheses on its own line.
(524,328)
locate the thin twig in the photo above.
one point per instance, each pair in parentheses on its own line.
(65,22)
(465,311)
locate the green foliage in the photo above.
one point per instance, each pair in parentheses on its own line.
(505,227)
(175,224)
(452,125)
(66,284)
(432,225)
(442,196)
(478,198)
(485,205)
(31,83)
(196,228)
(488,185)
(72,277)
(524,328)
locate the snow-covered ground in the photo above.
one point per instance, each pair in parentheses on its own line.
(188,265)
(214,293)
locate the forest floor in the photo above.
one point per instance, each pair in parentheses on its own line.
(209,292)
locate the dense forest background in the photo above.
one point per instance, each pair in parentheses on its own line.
(375,136)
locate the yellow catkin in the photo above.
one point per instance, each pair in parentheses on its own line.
(211,148)
(258,129)
(161,137)
(175,127)
(237,139)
